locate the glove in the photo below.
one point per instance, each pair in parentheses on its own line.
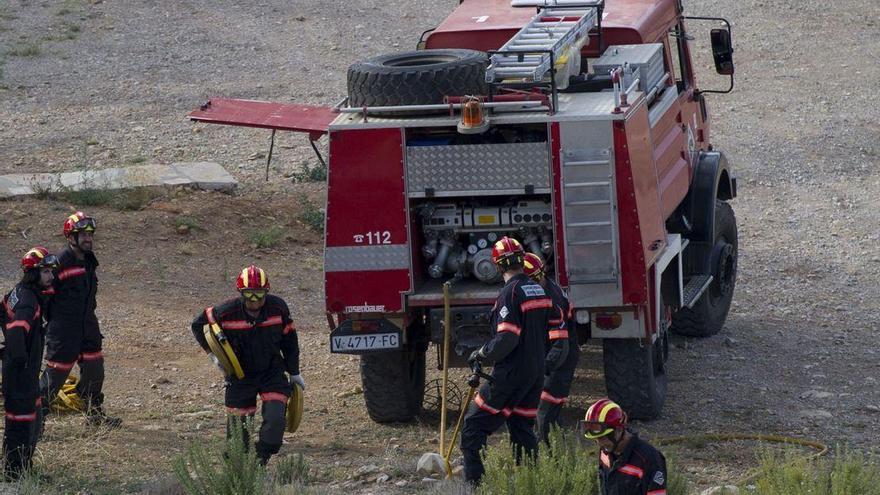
(476,357)
(216,362)
(298,380)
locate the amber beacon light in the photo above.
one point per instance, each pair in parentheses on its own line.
(472,118)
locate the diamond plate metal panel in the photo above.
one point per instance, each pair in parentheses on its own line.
(366,258)
(486,167)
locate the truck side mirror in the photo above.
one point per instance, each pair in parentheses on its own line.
(722,51)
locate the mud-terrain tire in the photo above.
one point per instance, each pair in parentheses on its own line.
(707,316)
(635,375)
(420,77)
(394,385)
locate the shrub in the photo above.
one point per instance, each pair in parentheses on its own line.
(311,215)
(225,469)
(318,173)
(848,473)
(291,469)
(26,50)
(562,468)
(566,466)
(189,222)
(267,237)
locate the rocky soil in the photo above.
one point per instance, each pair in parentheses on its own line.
(91,84)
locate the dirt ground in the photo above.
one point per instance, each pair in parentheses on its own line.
(92,84)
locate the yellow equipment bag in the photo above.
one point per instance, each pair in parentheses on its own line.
(221,348)
(68,400)
(294,408)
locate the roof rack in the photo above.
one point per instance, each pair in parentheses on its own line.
(550,42)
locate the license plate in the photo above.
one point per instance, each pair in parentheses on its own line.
(367,342)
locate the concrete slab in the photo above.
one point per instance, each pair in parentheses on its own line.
(201,175)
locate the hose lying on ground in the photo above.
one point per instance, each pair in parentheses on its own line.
(821,449)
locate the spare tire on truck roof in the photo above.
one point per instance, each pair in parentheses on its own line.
(420,77)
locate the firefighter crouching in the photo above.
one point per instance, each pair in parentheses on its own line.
(73,335)
(264,343)
(627,464)
(563,355)
(519,325)
(24,309)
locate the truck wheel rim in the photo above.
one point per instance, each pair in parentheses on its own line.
(725,271)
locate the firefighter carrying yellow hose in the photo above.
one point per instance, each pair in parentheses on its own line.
(253,341)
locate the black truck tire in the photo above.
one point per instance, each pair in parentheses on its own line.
(707,316)
(420,77)
(635,375)
(394,385)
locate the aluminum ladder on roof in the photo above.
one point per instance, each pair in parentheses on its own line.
(547,37)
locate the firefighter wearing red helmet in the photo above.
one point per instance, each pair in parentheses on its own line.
(519,331)
(628,465)
(562,354)
(74,336)
(263,338)
(23,313)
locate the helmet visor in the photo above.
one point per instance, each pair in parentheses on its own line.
(86,224)
(594,429)
(50,261)
(254,294)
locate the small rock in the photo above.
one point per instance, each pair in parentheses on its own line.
(183,229)
(400,483)
(431,463)
(729,342)
(365,470)
(382,478)
(428,480)
(816,394)
(721,490)
(816,414)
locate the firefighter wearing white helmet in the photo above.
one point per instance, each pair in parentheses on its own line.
(519,330)
(254,341)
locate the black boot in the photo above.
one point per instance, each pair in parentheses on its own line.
(264,451)
(97,417)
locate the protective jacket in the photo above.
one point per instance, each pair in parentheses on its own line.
(519,322)
(23,330)
(558,337)
(262,343)
(639,470)
(73,327)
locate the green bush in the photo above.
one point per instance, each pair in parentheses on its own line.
(189,222)
(318,173)
(225,469)
(566,466)
(267,237)
(563,468)
(311,215)
(292,469)
(788,473)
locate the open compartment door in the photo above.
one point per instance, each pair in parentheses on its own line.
(311,119)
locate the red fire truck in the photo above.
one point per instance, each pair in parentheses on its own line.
(575,126)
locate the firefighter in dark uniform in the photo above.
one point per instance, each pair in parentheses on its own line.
(519,324)
(628,465)
(74,336)
(562,358)
(264,340)
(23,312)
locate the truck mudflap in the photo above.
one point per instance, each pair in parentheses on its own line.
(365,336)
(310,119)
